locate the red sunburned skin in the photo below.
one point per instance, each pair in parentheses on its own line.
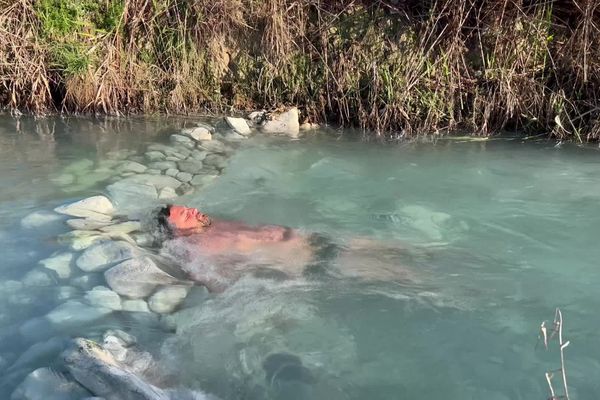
(185,218)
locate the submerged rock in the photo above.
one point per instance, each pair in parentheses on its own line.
(132,166)
(158,181)
(96,207)
(103,255)
(184,176)
(137,278)
(135,306)
(60,263)
(40,353)
(201,180)
(86,224)
(166,299)
(87,281)
(167,194)
(182,140)
(39,277)
(39,219)
(213,146)
(79,240)
(126,193)
(101,296)
(74,313)
(47,384)
(123,227)
(155,155)
(286,123)
(190,166)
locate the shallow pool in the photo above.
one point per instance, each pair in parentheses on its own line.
(456,252)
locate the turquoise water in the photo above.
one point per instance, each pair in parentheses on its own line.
(477,244)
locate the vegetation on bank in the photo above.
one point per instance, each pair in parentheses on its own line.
(395,66)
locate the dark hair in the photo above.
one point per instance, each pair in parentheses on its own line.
(162,218)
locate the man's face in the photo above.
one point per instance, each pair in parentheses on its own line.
(186,218)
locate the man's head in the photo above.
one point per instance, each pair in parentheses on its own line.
(182,219)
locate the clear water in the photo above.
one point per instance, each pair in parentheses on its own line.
(483,239)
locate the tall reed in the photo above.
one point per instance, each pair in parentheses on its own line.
(398,68)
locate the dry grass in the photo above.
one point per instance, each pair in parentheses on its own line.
(400,68)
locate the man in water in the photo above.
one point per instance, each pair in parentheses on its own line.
(218,252)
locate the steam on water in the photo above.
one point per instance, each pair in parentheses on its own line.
(450,255)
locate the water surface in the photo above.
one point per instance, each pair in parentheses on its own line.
(487,239)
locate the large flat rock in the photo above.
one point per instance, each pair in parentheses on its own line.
(137,278)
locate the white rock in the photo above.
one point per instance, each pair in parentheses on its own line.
(166,299)
(47,384)
(286,122)
(86,224)
(190,166)
(61,263)
(75,313)
(308,126)
(239,125)
(123,227)
(38,219)
(103,255)
(184,176)
(167,194)
(135,306)
(39,277)
(79,240)
(136,278)
(199,133)
(101,296)
(95,207)
(132,166)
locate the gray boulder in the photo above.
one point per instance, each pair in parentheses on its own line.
(137,278)
(103,255)
(167,298)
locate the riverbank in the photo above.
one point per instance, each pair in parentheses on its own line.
(395,68)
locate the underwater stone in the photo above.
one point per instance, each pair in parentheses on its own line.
(74,313)
(136,278)
(39,277)
(191,166)
(123,227)
(101,296)
(126,193)
(216,160)
(198,155)
(38,219)
(154,171)
(172,172)
(200,180)
(182,140)
(47,384)
(162,165)
(41,352)
(63,179)
(87,281)
(135,306)
(132,166)
(184,189)
(103,255)
(213,146)
(60,263)
(184,176)
(154,155)
(175,159)
(166,299)
(239,125)
(95,207)
(64,293)
(86,224)
(167,194)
